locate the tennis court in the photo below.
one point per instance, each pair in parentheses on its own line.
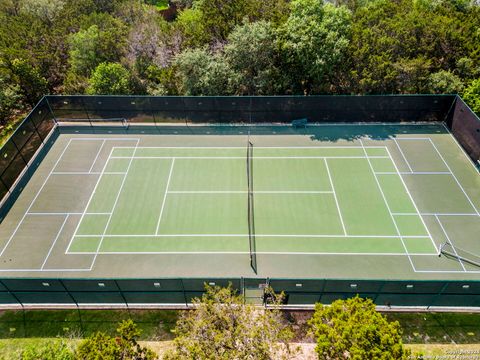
(341,201)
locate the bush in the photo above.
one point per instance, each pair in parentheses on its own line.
(53,350)
(110,79)
(222,326)
(353,329)
(472,96)
(123,347)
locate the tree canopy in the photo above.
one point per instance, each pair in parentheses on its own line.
(222,326)
(353,329)
(237,47)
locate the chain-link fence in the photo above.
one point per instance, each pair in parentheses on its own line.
(180,292)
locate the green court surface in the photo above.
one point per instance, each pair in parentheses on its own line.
(343,201)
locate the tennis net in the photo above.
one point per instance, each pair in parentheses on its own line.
(460,254)
(251,217)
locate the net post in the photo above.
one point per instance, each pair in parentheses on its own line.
(463,256)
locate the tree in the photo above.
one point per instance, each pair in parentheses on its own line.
(46,10)
(314,41)
(202,73)
(252,52)
(190,24)
(391,39)
(444,82)
(11,100)
(219,17)
(472,96)
(100,40)
(273,11)
(353,329)
(146,46)
(466,68)
(123,347)
(52,350)
(412,74)
(32,84)
(83,50)
(221,326)
(183,3)
(110,78)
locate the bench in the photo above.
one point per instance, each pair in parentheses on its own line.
(298,123)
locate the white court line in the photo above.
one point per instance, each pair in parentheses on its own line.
(461,148)
(44,270)
(413,138)
(435,214)
(437,123)
(53,213)
(404,214)
(257,235)
(456,180)
(165,196)
(240,157)
(242,253)
(246,191)
(55,241)
(87,173)
(335,197)
(413,201)
(114,205)
(103,138)
(451,243)
(403,155)
(34,199)
(256,147)
(448,272)
(74,173)
(96,157)
(414,173)
(92,195)
(388,207)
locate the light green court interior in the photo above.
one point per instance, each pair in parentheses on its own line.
(324,200)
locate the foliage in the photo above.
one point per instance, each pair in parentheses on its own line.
(10,100)
(159,4)
(221,326)
(83,54)
(314,41)
(252,52)
(445,82)
(52,350)
(123,347)
(183,3)
(110,78)
(46,10)
(238,47)
(100,39)
(219,17)
(32,84)
(202,73)
(190,24)
(397,44)
(353,329)
(472,96)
